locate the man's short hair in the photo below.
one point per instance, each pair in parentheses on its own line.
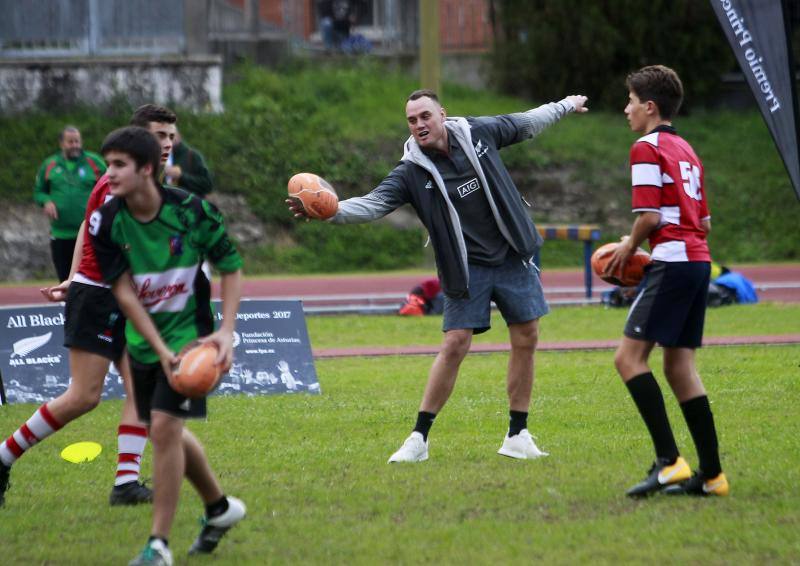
(659,84)
(65,129)
(139,143)
(152,113)
(422,93)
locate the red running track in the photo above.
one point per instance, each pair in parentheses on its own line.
(775,283)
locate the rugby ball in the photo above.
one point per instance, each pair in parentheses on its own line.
(631,275)
(315,193)
(197,373)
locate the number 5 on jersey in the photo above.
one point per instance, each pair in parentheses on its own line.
(691,177)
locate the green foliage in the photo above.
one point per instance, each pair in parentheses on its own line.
(28,139)
(322,248)
(345,122)
(548,48)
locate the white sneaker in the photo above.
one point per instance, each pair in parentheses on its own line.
(414,449)
(214,528)
(520,446)
(155,553)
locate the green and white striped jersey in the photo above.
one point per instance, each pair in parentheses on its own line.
(164,257)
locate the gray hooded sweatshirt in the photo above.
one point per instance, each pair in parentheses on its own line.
(416,181)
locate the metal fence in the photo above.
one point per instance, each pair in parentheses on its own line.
(36,28)
(392,26)
(42,28)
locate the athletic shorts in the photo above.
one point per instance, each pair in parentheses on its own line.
(671,307)
(93,321)
(515,288)
(152,392)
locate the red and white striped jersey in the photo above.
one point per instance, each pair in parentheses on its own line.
(667,177)
(88,270)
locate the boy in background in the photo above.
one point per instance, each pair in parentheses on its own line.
(94,333)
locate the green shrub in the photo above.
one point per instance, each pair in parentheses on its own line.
(325,248)
(546,49)
(345,122)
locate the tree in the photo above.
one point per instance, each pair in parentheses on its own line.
(545,49)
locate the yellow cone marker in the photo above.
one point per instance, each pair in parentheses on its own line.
(81,452)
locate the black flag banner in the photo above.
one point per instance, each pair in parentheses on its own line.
(759,36)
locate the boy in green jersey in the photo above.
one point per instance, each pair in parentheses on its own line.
(150,242)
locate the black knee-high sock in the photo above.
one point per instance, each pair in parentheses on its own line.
(647,395)
(518,420)
(700,421)
(424,423)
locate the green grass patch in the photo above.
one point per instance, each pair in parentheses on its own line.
(563,323)
(312,471)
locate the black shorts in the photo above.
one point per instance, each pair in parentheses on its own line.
(152,392)
(93,321)
(671,308)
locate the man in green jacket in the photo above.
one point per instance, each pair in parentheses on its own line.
(63,185)
(187,169)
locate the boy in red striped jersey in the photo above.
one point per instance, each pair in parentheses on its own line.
(94,334)
(672,213)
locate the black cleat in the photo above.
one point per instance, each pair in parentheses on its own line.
(215,527)
(5,472)
(661,473)
(131,493)
(699,484)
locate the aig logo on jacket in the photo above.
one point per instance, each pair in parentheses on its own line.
(481,148)
(469,187)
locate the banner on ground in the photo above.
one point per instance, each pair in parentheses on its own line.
(272,353)
(758,33)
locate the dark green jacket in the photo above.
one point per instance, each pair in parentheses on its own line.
(195,176)
(69,187)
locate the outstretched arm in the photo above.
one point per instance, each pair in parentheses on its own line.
(532,122)
(383,199)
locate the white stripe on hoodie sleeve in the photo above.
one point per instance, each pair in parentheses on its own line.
(532,122)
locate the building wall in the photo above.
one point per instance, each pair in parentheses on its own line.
(194,83)
(464,25)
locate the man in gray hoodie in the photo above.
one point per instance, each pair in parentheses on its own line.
(484,241)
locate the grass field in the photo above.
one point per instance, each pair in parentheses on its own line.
(312,468)
(566,323)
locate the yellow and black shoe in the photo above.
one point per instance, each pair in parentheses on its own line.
(699,484)
(662,473)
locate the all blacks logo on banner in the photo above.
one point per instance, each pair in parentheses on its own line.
(272,353)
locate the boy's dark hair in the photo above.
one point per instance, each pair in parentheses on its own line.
(659,84)
(152,113)
(423,92)
(140,144)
